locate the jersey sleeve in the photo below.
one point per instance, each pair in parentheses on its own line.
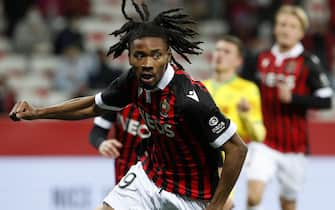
(119,93)
(105,121)
(206,119)
(317,79)
(101,128)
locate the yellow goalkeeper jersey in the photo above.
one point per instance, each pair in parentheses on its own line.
(227,96)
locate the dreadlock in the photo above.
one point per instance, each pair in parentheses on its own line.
(169,25)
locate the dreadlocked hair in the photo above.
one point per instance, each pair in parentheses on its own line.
(171,25)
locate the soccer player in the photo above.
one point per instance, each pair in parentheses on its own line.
(291,82)
(237,98)
(130,136)
(244,107)
(187,128)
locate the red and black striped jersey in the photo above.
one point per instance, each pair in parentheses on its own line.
(186,128)
(286,124)
(130,130)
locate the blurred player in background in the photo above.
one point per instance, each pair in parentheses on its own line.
(237,98)
(291,82)
(129,140)
(187,128)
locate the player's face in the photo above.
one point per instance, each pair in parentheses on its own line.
(288,30)
(149,57)
(226,56)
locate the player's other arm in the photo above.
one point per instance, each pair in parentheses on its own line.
(99,138)
(250,113)
(256,129)
(235,154)
(317,82)
(74,109)
(203,115)
(99,131)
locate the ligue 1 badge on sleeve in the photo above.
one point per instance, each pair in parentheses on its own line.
(290,66)
(165,107)
(213,121)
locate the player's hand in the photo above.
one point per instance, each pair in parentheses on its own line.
(110,148)
(229,205)
(284,92)
(23,110)
(243,105)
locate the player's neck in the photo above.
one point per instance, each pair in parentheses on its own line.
(284,49)
(224,76)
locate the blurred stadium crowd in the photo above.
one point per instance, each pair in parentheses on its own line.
(52,50)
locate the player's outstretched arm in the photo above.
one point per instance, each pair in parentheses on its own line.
(235,154)
(74,109)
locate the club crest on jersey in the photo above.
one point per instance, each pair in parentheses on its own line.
(165,107)
(265,62)
(290,66)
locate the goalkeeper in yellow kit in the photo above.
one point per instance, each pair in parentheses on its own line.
(237,98)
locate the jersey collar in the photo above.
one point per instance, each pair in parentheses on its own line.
(166,78)
(292,53)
